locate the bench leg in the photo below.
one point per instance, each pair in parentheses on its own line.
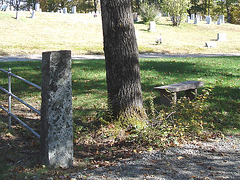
(167,98)
(191,93)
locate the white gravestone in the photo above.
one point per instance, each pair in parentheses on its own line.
(152,26)
(37,7)
(219,22)
(196,21)
(74,9)
(188,19)
(33,14)
(221,37)
(209,19)
(192,16)
(221,17)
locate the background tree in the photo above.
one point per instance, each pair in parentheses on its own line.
(235,13)
(148,12)
(196,7)
(229,4)
(176,9)
(122,62)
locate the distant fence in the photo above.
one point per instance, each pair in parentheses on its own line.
(10,95)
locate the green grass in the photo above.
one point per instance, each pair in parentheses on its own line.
(82,34)
(221,74)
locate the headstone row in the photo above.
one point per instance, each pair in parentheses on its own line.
(208,19)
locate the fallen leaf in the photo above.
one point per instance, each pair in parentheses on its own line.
(9,135)
(180,157)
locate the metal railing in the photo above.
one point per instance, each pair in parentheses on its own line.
(10,95)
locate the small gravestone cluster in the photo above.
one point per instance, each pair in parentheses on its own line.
(195,18)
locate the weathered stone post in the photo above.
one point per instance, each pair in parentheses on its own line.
(56,110)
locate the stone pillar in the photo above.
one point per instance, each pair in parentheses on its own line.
(56,109)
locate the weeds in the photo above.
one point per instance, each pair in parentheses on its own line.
(169,126)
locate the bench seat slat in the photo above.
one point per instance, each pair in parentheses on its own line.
(182,86)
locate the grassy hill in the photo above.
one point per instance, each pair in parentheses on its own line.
(82,33)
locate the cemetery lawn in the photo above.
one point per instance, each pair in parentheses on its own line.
(82,34)
(218,112)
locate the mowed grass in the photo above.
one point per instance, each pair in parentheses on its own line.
(220,74)
(82,33)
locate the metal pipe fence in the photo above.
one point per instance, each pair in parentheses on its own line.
(10,95)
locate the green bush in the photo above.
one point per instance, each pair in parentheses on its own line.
(148,12)
(183,121)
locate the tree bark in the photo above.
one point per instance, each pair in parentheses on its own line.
(122,61)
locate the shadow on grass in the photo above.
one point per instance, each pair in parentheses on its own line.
(90,89)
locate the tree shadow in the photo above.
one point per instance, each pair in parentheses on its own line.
(200,161)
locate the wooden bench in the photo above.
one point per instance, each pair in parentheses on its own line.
(168,93)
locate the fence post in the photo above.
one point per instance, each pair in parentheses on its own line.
(9,99)
(56,109)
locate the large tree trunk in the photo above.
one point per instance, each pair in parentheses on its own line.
(122,61)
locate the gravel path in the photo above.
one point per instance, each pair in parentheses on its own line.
(215,159)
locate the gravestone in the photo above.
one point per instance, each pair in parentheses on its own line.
(33,14)
(198,17)
(209,19)
(152,26)
(221,37)
(221,17)
(188,19)
(196,21)
(64,10)
(56,140)
(37,7)
(74,9)
(192,16)
(219,22)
